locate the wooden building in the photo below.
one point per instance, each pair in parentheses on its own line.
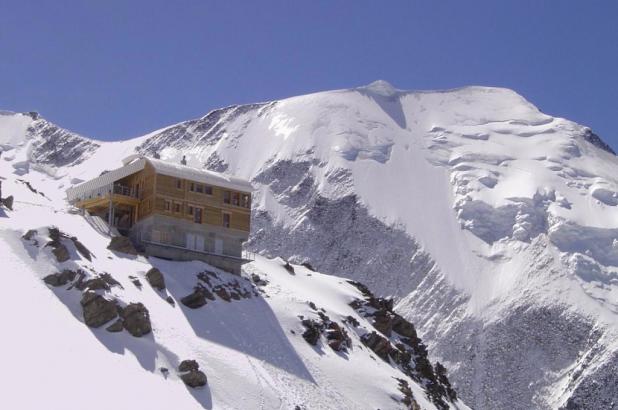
(172,210)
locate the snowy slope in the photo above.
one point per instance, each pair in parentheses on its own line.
(251,349)
(494,225)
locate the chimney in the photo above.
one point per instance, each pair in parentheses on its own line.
(183,161)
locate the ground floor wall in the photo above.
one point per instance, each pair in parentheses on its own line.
(174,238)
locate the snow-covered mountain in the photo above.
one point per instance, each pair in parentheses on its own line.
(493,225)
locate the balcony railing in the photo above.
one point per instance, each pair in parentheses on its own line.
(124,190)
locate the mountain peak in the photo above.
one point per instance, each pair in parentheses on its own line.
(381,87)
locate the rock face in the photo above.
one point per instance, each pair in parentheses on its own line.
(191,375)
(122,244)
(136,319)
(156,279)
(97,310)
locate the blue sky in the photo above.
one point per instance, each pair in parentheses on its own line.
(116,69)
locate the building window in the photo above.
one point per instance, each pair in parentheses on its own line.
(246,201)
(177,207)
(236,199)
(179,184)
(197,215)
(190,210)
(168,205)
(226,220)
(226,197)
(199,188)
(207,189)
(192,187)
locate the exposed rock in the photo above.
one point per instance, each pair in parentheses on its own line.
(81,248)
(97,310)
(104,281)
(59,250)
(222,293)
(28,236)
(255,278)
(337,337)
(289,267)
(136,319)
(196,299)
(137,283)
(403,327)
(60,278)
(170,300)
(352,321)
(191,375)
(308,266)
(61,253)
(122,244)
(312,332)
(8,202)
(195,378)
(156,279)
(188,365)
(408,395)
(383,322)
(379,344)
(115,327)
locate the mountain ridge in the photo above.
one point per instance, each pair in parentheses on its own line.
(479,213)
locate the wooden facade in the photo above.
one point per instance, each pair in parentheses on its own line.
(161,208)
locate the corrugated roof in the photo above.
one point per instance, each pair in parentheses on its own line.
(161,167)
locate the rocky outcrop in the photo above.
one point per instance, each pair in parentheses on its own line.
(156,279)
(336,336)
(97,310)
(122,244)
(396,342)
(136,319)
(191,375)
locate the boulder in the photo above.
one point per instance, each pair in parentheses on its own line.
(195,378)
(190,373)
(136,319)
(122,244)
(60,278)
(188,365)
(97,310)
(8,202)
(115,327)
(196,299)
(156,279)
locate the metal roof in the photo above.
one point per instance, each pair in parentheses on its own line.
(134,164)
